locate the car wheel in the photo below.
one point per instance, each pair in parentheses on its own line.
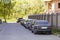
(17,22)
(30,28)
(34,32)
(26,27)
(49,32)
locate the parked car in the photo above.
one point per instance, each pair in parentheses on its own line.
(19,19)
(29,22)
(32,23)
(22,22)
(25,23)
(0,21)
(41,26)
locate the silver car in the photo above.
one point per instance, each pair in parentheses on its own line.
(41,26)
(28,23)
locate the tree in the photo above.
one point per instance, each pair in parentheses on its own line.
(6,8)
(32,6)
(20,8)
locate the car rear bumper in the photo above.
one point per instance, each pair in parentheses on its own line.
(43,30)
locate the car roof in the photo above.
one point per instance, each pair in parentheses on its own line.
(41,21)
(30,19)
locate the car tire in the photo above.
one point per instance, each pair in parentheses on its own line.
(31,30)
(25,27)
(49,32)
(34,32)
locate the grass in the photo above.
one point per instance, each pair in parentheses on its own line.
(55,31)
(10,20)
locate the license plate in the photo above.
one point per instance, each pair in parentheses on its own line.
(43,27)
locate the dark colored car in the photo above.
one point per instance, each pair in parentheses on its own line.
(0,21)
(42,26)
(25,23)
(19,19)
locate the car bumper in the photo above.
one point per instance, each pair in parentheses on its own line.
(43,30)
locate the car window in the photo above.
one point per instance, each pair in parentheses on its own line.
(41,23)
(29,20)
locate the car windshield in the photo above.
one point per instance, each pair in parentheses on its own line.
(41,23)
(29,21)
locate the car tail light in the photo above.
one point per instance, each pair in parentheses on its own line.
(49,27)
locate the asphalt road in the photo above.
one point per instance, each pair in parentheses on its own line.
(14,31)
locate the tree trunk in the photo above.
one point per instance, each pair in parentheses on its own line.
(5,19)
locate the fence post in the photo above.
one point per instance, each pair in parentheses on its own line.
(48,17)
(44,16)
(40,17)
(56,20)
(52,19)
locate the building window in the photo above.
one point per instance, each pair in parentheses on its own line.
(58,5)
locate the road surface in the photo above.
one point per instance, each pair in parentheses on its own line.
(14,31)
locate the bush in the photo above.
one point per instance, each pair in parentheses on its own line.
(55,30)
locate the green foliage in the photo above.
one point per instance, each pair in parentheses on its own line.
(20,8)
(6,9)
(29,7)
(55,30)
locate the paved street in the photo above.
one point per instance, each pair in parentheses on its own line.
(14,31)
